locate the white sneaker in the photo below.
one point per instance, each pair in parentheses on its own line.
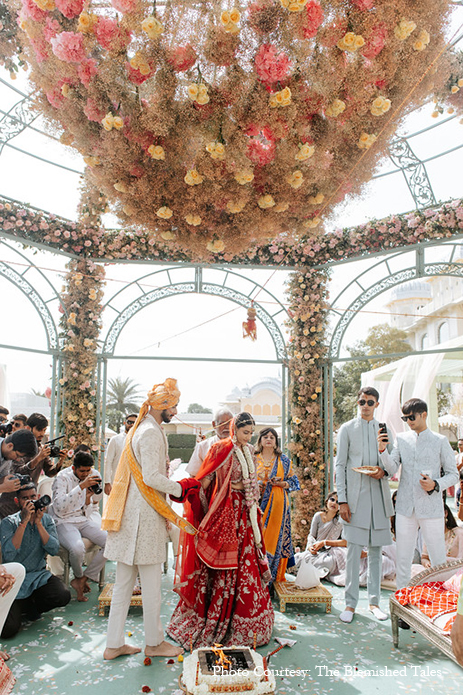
(346,616)
(378,613)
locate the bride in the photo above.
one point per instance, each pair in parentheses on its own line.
(222,572)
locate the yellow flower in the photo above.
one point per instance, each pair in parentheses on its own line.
(216,150)
(403,29)
(193,178)
(380,105)
(293,5)
(167,236)
(422,41)
(139,62)
(266,201)
(194,220)
(165,212)
(180,658)
(92,293)
(108,122)
(92,161)
(118,123)
(281,207)
(366,141)
(78,277)
(65,90)
(216,245)
(244,176)
(316,199)
(295,179)
(305,152)
(311,224)
(359,41)
(454,89)
(72,318)
(230,21)
(235,207)
(347,43)
(46,5)
(88,342)
(86,22)
(198,93)
(156,152)
(282,98)
(460,82)
(335,108)
(152,27)
(120,186)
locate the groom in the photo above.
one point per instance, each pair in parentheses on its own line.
(135,518)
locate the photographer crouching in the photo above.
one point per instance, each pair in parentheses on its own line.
(76,493)
(28,537)
(32,465)
(15,450)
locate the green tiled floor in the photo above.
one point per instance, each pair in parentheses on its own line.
(52,656)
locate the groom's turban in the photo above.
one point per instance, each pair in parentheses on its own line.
(164,395)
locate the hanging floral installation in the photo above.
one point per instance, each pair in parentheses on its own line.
(10,41)
(212,126)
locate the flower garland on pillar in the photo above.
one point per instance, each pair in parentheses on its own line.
(80,324)
(309,312)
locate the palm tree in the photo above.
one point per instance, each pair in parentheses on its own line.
(121,400)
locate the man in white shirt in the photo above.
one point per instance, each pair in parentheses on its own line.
(76,494)
(428,468)
(114,451)
(221,424)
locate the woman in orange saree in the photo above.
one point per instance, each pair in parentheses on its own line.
(275,476)
(222,572)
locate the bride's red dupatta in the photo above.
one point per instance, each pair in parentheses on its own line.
(209,546)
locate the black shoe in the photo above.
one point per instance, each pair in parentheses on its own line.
(403,624)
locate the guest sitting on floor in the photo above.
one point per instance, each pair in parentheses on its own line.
(27,537)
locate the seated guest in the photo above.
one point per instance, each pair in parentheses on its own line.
(19,422)
(453,540)
(11,577)
(326,549)
(75,512)
(37,425)
(28,537)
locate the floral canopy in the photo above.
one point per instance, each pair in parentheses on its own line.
(213,126)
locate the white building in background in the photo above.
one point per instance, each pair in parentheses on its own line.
(262,400)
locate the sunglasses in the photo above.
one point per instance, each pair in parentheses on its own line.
(363,402)
(412,418)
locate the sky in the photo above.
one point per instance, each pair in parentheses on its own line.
(188,325)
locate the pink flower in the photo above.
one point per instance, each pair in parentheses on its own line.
(55,96)
(52,28)
(89,423)
(70,8)
(135,75)
(313,19)
(182,58)
(69,47)
(86,70)
(93,113)
(375,41)
(271,67)
(31,10)
(87,242)
(124,5)
(110,35)
(363,4)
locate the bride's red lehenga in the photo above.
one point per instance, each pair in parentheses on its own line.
(222,573)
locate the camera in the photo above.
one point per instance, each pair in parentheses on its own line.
(23,479)
(54,449)
(96,489)
(42,502)
(6,428)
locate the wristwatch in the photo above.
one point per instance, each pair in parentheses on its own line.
(436,488)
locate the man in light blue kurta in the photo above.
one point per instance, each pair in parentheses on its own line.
(427,469)
(364,502)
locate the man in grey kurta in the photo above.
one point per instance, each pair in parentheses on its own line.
(364,502)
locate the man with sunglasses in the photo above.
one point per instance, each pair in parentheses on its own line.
(364,502)
(428,468)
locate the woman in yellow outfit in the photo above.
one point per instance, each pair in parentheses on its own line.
(276,479)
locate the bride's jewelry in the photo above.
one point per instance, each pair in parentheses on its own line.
(247,469)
